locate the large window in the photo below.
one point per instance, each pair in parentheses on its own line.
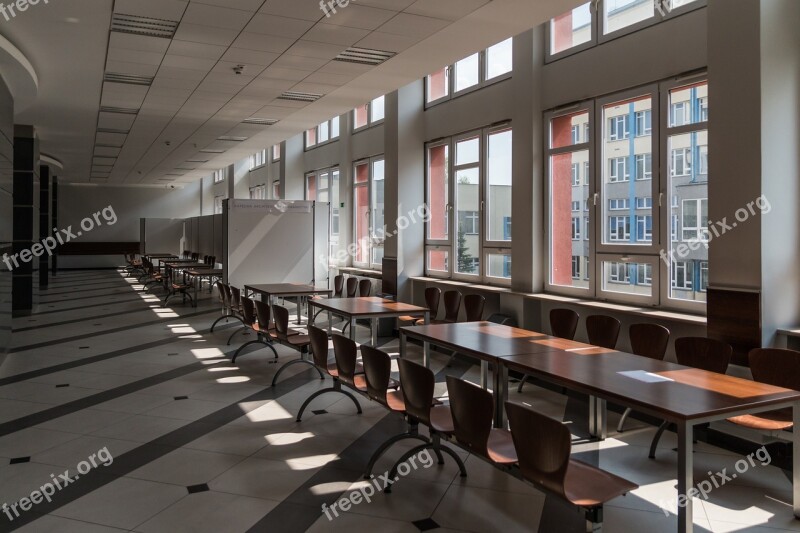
(258,160)
(571,30)
(218,204)
(219,175)
(276,153)
(368,213)
(646,203)
(475,71)
(368,114)
(471,193)
(323,186)
(259,192)
(323,133)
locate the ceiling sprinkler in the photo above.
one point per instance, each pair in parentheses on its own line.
(238,69)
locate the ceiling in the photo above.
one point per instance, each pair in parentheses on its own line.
(117,104)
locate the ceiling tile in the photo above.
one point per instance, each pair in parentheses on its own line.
(172,83)
(352,69)
(394,5)
(180,73)
(306,10)
(264,43)
(112,139)
(414,25)
(190,49)
(329,79)
(269,111)
(388,42)
(218,17)
(280,73)
(445,9)
(299,63)
(219,88)
(134,56)
(141,43)
(115,121)
(159,9)
(329,33)
(355,16)
(190,63)
(316,88)
(206,34)
(135,69)
(246,5)
(292,28)
(316,50)
(249,57)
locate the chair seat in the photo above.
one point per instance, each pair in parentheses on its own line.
(501,447)
(771,421)
(298,340)
(333,371)
(181,286)
(395,400)
(442,419)
(587,486)
(271,330)
(412,319)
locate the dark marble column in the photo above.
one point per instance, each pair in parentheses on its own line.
(26,199)
(54,221)
(44,224)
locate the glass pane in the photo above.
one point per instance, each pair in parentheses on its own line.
(468,151)
(360,116)
(628,278)
(627,171)
(568,130)
(499,58)
(678,3)
(276,190)
(335,207)
(571,29)
(438,259)
(499,196)
(569,217)
(438,193)
(688,105)
(311,137)
(499,265)
(322,188)
(362,173)
(334,127)
(311,187)
(323,132)
(623,13)
(378,230)
(276,152)
(438,84)
(467,72)
(361,223)
(468,220)
(377,109)
(377,255)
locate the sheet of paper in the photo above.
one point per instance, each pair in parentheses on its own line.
(645,377)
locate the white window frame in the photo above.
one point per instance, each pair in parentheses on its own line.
(375,239)
(370,122)
(220,175)
(258,159)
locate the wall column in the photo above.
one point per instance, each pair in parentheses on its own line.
(44,223)
(54,221)
(26,199)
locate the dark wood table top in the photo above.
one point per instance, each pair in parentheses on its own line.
(183,262)
(205,272)
(368,306)
(286,289)
(158,256)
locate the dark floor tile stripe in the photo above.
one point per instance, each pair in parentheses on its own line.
(83,287)
(110,331)
(84,319)
(104,295)
(116,301)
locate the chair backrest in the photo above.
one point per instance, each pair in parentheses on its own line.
(281,321)
(319,346)
(603,330)
(195,256)
(649,340)
(564,323)
(346,352)
(776,366)
(417,382)
(703,353)
(432,297)
(236,298)
(452,303)
(364,287)
(248,311)
(338,285)
(543,446)
(263,316)
(473,307)
(473,409)
(352,287)
(377,371)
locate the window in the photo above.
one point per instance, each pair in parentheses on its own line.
(619,229)
(576,134)
(618,204)
(644,274)
(644,167)
(576,206)
(681,275)
(468,187)
(644,123)
(257,160)
(477,70)
(576,175)
(368,214)
(499,59)
(678,114)
(695,219)
(627,279)
(681,162)
(311,138)
(618,273)
(467,72)
(219,175)
(571,29)
(377,109)
(259,192)
(437,85)
(576,267)
(576,228)
(618,170)
(218,204)
(644,228)
(361,117)
(368,114)
(276,190)
(276,153)
(323,133)
(618,128)
(619,14)
(703,276)
(644,203)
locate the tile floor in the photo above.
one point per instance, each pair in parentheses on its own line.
(198,444)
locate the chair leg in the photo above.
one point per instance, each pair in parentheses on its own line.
(224,317)
(311,399)
(522,383)
(388,444)
(621,425)
(452,358)
(295,362)
(245,345)
(405,457)
(657,438)
(437,445)
(243,328)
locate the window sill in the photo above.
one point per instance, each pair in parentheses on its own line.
(363,272)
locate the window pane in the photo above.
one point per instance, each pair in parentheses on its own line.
(499,58)
(438,259)
(468,219)
(688,105)
(468,151)
(362,173)
(568,186)
(377,109)
(467,72)
(378,231)
(276,152)
(438,84)
(311,137)
(568,130)
(627,172)
(571,29)
(628,278)
(438,194)
(335,207)
(499,194)
(678,3)
(377,255)
(311,187)
(499,265)
(361,223)
(276,190)
(323,132)
(620,14)
(360,116)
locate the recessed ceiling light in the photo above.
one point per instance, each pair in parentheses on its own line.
(72,20)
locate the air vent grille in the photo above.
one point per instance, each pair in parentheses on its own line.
(146,26)
(119,110)
(296,96)
(211,151)
(232,138)
(260,121)
(128,79)
(112,130)
(364,56)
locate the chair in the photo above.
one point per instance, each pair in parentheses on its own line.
(175,288)
(319,350)
(236,309)
(383,389)
(338,288)
(227,310)
(257,319)
(647,340)
(473,307)
(364,288)
(432,297)
(452,304)
(697,352)
(291,339)
(473,413)
(543,448)
(417,383)
(778,367)
(563,324)
(603,331)
(352,287)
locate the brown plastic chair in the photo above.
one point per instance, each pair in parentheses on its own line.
(235,298)
(338,289)
(319,349)
(432,297)
(778,367)
(647,340)
(543,446)
(383,389)
(706,354)
(352,287)
(226,295)
(257,319)
(473,307)
(364,288)
(175,288)
(291,339)
(563,324)
(603,331)
(417,384)
(473,413)
(452,305)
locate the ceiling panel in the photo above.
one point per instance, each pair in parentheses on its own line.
(206,34)
(284,73)
(219,17)
(445,9)
(414,25)
(316,50)
(136,69)
(191,63)
(264,43)
(249,57)
(299,63)
(160,9)
(130,41)
(293,9)
(329,33)
(291,28)
(135,56)
(190,49)
(388,42)
(366,18)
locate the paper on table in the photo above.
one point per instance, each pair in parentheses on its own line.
(646,377)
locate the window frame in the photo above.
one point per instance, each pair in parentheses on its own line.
(591,43)
(254,164)
(370,123)
(220,175)
(330,139)
(276,152)
(373,240)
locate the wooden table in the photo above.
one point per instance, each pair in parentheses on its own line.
(209,273)
(299,290)
(371,308)
(681,395)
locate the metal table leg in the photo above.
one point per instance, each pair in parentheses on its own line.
(597,417)
(685,477)
(484,375)
(373,322)
(352,329)
(796,461)
(500,394)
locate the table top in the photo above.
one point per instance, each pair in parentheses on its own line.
(368,306)
(205,272)
(184,262)
(287,289)
(160,255)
